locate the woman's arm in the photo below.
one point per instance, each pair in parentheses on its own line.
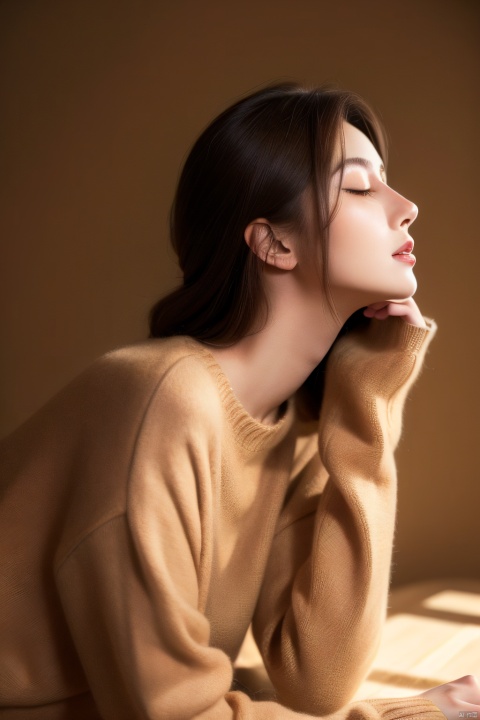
(323,603)
(134,589)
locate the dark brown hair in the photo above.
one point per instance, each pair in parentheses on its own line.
(258,158)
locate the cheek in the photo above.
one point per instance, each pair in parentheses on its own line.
(356,244)
(356,224)
(360,247)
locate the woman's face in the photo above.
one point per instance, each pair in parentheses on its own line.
(371,225)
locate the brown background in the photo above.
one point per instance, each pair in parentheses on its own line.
(100,101)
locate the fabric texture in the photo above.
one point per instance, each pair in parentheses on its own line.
(147,519)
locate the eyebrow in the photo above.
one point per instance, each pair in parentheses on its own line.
(364,163)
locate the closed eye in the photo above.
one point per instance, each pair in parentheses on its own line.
(364,193)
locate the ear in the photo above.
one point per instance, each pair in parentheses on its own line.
(263,240)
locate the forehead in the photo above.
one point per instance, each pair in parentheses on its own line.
(359,151)
(358,145)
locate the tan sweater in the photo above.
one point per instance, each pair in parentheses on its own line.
(146,519)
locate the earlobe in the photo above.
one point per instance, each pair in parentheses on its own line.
(264,242)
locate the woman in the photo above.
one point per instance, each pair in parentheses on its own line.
(238,466)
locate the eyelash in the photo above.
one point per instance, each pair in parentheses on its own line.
(364,193)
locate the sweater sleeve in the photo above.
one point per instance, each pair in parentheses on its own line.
(323,602)
(134,589)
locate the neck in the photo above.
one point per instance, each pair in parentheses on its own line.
(266,368)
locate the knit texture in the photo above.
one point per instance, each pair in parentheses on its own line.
(147,519)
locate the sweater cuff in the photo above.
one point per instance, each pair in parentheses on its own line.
(396,334)
(406,708)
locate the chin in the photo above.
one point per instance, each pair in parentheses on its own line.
(401,299)
(403,293)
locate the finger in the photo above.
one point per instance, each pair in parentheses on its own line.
(397,309)
(378,305)
(468,688)
(372,310)
(382,314)
(377,314)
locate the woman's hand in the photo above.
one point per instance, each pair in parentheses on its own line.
(457,699)
(408,309)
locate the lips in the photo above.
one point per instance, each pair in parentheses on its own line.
(404,254)
(406,248)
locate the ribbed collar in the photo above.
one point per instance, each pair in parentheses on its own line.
(249,432)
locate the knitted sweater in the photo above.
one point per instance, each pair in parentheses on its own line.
(147,519)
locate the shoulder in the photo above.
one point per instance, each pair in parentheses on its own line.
(112,396)
(172,371)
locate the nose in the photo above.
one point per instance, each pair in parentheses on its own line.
(410,213)
(404,211)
